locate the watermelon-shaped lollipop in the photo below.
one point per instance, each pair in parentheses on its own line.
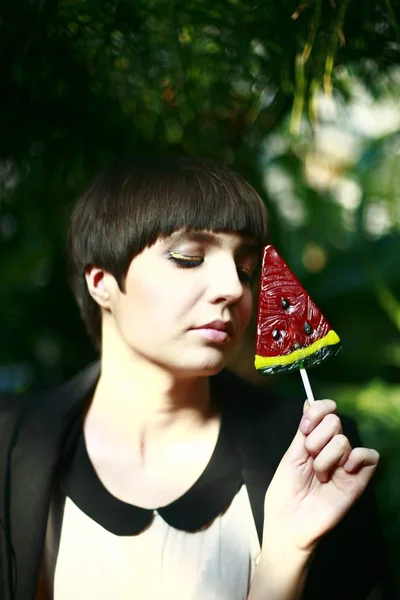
(292,333)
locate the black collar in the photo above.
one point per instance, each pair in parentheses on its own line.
(210,495)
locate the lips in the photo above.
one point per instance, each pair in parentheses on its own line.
(219,325)
(216,332)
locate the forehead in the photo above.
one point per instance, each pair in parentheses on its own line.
(223,238)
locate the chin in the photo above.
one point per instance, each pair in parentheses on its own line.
(208,366)
(212,370)
(200,372)
(194,362)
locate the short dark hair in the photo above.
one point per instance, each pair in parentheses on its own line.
(129,206)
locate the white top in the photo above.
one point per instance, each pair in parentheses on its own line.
(160,563)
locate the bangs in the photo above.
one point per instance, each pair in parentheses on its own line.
(207,201)
(176,193)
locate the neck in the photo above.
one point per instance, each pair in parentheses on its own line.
(138,398)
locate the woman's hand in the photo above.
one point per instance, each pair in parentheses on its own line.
(317,481)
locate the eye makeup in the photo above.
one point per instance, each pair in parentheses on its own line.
(185,261)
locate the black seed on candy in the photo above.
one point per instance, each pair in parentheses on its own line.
(276,334)
(285,303)
(307,328)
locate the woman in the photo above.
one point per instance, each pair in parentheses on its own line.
(149,475)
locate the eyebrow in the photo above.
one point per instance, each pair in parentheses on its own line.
(248,246)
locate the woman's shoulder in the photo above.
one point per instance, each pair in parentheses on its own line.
(45,406)
(12,405)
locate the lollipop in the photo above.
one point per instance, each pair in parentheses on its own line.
(292,333)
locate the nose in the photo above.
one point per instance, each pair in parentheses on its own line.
(225,285)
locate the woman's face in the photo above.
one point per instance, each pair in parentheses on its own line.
(187,300)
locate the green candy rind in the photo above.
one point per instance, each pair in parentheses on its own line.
(307,362)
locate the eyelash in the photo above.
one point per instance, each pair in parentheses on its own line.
(185,262)
(188,262)
(246,277)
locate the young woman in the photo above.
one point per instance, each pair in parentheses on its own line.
(156,474)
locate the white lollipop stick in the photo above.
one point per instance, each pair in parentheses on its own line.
(307,386)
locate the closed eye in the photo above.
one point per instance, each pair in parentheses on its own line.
(245,276)
(185,261)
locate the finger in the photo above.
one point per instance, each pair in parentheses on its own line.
(334,454)
(323,433)
(315,413)
(360,458)
(312,416)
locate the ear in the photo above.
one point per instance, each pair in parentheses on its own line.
(98,282)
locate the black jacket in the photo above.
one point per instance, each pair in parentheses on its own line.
(349,562)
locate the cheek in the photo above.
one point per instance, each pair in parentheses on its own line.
(150,301)
(137,306)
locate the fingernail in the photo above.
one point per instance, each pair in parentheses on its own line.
(348,465)
(305,426)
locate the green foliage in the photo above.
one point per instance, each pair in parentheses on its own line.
(300,98)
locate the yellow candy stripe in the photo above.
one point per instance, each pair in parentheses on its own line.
(267,361)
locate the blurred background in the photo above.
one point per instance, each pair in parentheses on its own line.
(303,99)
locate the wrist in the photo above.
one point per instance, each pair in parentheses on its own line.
(286,541)
(281,573)
(281,556)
